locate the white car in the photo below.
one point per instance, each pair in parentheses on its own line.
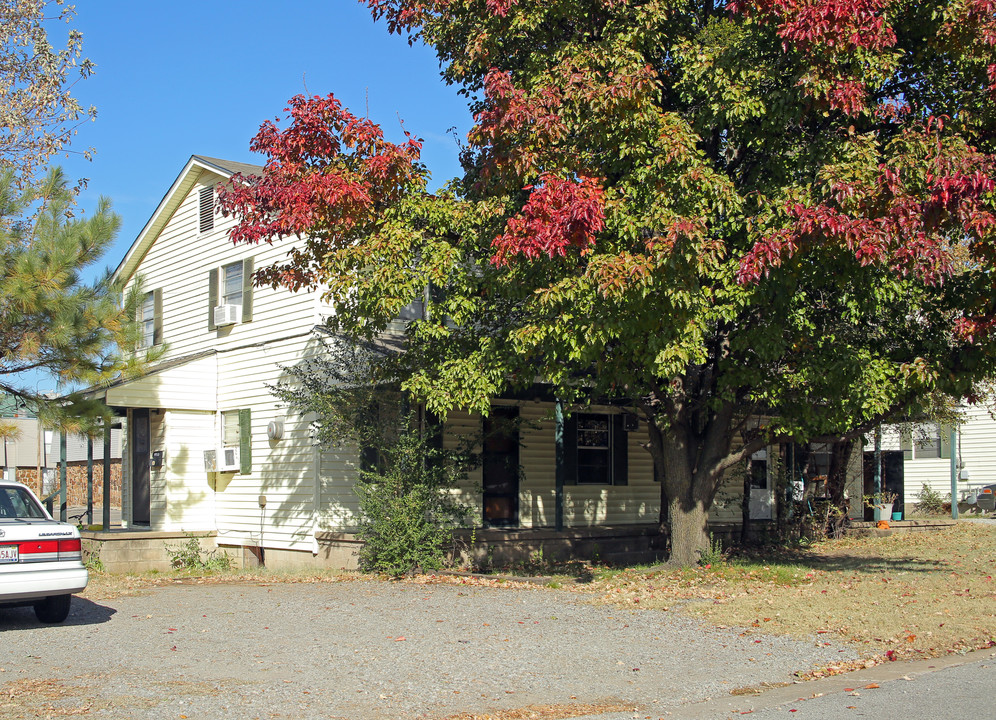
(41,559)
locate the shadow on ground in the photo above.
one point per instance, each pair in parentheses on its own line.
(82,612)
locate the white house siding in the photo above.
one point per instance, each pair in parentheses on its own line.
(179,261)
(189,487)
(157,476)
(976,445)
(282,470)
(190,386)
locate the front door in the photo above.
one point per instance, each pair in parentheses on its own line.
(141,506)
(500,467)
(762,495)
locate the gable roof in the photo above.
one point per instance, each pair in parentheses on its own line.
(172,199)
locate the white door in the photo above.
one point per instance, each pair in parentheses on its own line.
(762,494)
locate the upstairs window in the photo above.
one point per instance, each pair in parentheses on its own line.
(231,284)
(206,209)
(150,314)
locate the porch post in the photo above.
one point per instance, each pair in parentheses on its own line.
(558,438)
(62,476)
(954,473)
(107,477)
(89,479)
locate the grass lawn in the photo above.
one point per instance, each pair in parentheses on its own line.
(905,596)
(909,595)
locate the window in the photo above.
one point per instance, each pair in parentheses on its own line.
(596,449)
(759,470)
(236,432)
(150,313)
(932,440)
(206,209)
(230,285)
(230,436)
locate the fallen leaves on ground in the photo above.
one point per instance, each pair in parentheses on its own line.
(905,596)
(545,712)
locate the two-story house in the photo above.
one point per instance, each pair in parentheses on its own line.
(207,447)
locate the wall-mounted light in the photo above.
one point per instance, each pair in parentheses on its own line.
(275,429)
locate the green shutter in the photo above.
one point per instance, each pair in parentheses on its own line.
(245,441)
(212,296)
(571,450)
(157,302)
(247,290)
(945,431)
(906,444)
(620,451)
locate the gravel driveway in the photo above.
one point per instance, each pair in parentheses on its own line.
(369,649)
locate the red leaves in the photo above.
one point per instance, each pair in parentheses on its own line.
(514,123)
(500,8)
(558,215)
(328,173)
(840,24)
(903,218)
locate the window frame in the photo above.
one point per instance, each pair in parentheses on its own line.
(216,288)
(153,302)
(617,454)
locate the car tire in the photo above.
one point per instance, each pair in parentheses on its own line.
(53,609)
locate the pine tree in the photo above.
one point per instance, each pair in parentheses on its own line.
(51,319)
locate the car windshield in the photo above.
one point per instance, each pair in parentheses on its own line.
(17,504)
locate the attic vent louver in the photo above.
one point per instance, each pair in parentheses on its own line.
(207,209)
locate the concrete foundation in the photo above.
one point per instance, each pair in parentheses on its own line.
(136,551)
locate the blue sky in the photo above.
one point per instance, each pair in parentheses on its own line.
(198,78)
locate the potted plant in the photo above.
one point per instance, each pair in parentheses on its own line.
(882,503)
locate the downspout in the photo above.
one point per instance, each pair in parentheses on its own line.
(317,497)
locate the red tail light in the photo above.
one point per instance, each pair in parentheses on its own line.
(39,547)
(50,550)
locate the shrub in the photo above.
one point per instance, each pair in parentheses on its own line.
(929,502)
(189,555)
(407,509)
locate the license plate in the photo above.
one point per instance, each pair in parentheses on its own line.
(8,553)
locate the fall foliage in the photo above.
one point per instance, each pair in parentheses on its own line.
(755,221)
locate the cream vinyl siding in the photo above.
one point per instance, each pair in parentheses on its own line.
(179,261)
(976,441)
(282,470)
(191,386)
(189,487)
(157,477)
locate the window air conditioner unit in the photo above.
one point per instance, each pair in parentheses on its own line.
(230,460)
(227,315)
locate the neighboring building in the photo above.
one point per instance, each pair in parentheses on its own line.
(32,457)
(209,449)
(926,452)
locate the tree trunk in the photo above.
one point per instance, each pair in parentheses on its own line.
(688,465)
(689,533)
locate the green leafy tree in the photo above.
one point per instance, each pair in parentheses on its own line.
(766,220)
(51,320)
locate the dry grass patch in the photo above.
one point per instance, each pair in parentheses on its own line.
(107,586)
(545,712)
(898,597)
